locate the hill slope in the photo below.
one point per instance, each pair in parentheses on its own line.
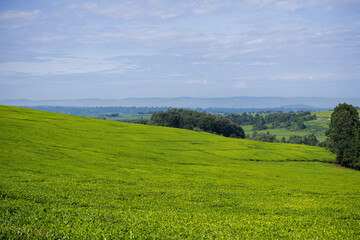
(65,176)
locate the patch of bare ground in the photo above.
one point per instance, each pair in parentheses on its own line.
(338,165)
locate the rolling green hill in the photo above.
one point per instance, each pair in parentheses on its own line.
(70,177)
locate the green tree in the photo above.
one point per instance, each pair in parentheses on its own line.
(141,121)
(296,139)
(300,125)
(189,119)
(265,137)
(344,134)
(310,140)
(259,123)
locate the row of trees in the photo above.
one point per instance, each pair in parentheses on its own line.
(307,140)
(295,139)
(192,120)
(344,135)
(294,121)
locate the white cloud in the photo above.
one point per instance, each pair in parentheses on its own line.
(211,39)
(144,9)
(256,41)
(16,19)
(288,5)
(16,15)
(259,34)
(85,6)
(261,64)
(49,37)
(198,81)
(127,9)
(64,66)
(163,9)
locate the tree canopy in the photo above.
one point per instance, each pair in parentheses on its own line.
(344,135)
(189,119)
(293,121)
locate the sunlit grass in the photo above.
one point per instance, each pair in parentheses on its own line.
(64,176)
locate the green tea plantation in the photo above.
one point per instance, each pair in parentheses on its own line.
(66,177)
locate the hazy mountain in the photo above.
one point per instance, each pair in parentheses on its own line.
(189,102)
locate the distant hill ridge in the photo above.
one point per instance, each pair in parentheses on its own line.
(191,102)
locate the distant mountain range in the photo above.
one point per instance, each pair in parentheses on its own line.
(307,103)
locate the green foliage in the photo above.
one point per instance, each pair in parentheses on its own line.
(264,137)
(65,177)
(300,125)
(241,119)
(318,127)
(259,123)
(291,121)
(344,135)
(295,139)
(189,119)
(142,121)
(310,140)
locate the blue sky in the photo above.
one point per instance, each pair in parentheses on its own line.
(157,48)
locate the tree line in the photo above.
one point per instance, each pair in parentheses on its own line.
(290,120)
(310,140)
(194,120)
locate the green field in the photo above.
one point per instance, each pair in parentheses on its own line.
(71,177)
(325,114)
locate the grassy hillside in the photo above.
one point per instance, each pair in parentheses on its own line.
(70,177)
(325,114)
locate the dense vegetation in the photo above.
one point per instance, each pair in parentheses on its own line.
(318,127)
(65,177)
(344,135)
(189,119)
(310,140)
(294,121)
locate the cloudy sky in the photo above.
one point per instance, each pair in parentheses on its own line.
(166,48)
